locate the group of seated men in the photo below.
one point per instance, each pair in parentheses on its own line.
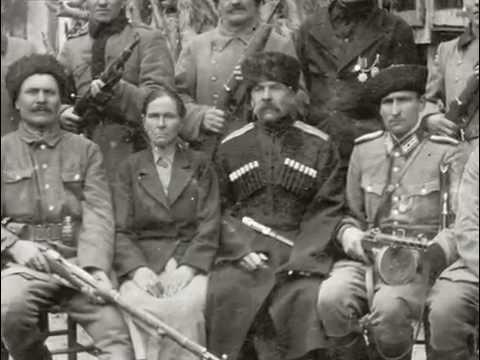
(261,246)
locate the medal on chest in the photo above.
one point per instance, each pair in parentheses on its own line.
(365,70)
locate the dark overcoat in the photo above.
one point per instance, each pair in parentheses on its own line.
(328,63)
(152,227)
(305,209)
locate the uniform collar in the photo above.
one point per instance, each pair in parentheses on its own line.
(407,144)
(223,37)
(50,137)
(466,38)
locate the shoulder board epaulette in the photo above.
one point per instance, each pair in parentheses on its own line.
(368,137)
(311,130)
(83,30)
(238,132)
(444,139)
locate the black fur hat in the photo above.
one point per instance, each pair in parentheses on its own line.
(396,78)
(271,66)
(31,65)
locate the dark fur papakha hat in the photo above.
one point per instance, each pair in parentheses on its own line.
(30,65)
(396,78)
(271,66)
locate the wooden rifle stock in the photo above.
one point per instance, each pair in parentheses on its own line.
(78,278)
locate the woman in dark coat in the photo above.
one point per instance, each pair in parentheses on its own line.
(167,227)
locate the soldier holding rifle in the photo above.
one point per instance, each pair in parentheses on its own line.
(88,53)
(54,195)
(394,185)
(453,303)
(283,174)
(209,60)
(455,63)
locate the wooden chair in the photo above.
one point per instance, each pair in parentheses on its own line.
(73,347)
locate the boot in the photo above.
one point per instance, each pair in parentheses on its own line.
(349,348)
(451,355)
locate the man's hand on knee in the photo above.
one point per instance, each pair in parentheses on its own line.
(29,254)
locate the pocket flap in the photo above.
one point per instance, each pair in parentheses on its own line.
(372,188)
(13,176)
(72,176)
(422,188)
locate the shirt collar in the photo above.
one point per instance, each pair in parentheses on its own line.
(466,38)
(166,154)
(50,137)
(223,37)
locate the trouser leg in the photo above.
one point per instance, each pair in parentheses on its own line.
(23,299)
(342,302)
(106,326)
(453,319)
(394,311)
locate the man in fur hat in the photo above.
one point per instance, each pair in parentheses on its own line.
(393,186)
(283,174)
(54,195)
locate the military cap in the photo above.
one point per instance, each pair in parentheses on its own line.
(271,66)
(30,65)
(396,78)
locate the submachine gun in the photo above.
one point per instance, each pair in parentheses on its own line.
(92,108)
(74,276)
(396,257)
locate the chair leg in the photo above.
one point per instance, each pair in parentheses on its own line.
(72,338)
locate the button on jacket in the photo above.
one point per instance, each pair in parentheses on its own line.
(46,178)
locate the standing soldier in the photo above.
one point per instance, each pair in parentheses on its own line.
(208,61)
(454,319)
(393,185)
(13,48)
(54,195)
(340,47)
(283,174)
(455,63)
(86,55)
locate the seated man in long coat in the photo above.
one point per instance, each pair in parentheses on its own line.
(281,173)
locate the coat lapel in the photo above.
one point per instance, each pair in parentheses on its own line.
(182,173)
(322,31)
(149,180)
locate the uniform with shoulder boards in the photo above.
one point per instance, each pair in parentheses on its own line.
(394,194)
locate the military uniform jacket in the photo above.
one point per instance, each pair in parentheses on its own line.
(288,180)
(61,174)
(149,67)
(204,66)
(152,227)
(448,75)
(329,63)
(14,50)
(413,166)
